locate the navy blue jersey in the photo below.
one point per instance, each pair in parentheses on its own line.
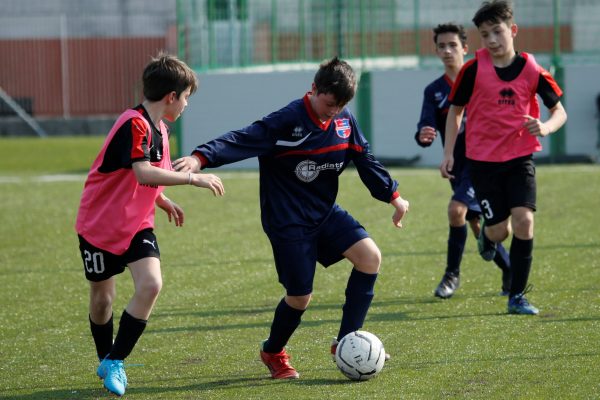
(434,113)
(300,160)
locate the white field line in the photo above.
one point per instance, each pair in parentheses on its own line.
(253,174)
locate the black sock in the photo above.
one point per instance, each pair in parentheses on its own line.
(520,262)
(130,330)
(285,322)
(359,293)
(502,259)
(103,337)
(457,236)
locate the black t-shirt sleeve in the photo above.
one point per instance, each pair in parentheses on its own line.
(548,89)
(128,145)
(464,84)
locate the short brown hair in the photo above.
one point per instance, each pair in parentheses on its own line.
(165,74)
(495,11)
(337,77)
(450,28)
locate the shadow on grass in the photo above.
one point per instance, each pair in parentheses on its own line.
(65,394)
(210,386)
(268,311)
(508,359)
(374,315)
(552,247)
(239,383)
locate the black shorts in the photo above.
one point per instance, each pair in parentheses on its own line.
(501,186)
(100,265)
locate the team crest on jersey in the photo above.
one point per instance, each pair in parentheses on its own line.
(342,127)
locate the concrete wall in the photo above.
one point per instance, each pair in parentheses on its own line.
(225,102)
(230,101)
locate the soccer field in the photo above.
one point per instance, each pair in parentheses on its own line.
(220,291)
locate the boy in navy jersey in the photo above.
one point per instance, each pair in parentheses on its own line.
(115,220)
(302,149)
(499,87)
(451,46)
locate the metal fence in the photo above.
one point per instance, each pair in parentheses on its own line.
(76,58)
(241,33)
(69,58)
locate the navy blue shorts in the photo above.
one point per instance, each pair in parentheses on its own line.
(296,260)
(100,265)
(463,191)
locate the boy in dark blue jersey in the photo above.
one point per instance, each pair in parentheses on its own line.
(451,46)
(302,149)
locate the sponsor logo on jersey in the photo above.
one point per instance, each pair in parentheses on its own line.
(342,127)
(307,170)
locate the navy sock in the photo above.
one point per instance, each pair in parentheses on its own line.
(359,293)
(502,259)
(457,236)
(285,322)
(486,240)
(130,330)
(521,256)
(103,337)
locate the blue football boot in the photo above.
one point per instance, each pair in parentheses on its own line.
(116,380)
(518,304)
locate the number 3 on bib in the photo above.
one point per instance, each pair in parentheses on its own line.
(487,210)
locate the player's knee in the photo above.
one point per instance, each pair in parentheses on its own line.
(523,225)
(298,302)
(370,261)
(456,214)
(150,288)
(101,303)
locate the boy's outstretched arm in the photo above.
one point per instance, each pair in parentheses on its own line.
(147,174)
(187,164)
(453,121)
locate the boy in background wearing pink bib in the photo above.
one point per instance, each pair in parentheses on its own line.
(499,89)
(115,220)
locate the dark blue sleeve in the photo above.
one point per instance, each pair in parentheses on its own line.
(251,141)
(427,114)
(254,140)
(371,172)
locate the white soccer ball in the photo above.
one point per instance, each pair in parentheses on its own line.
(360,355)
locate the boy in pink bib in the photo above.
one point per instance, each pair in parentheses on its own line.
(115,220)
(499,89)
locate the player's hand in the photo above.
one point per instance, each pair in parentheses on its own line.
(174,212)
(401,207)
(446,167)
(187,164)
(209,181)
(427,135)
(535,126)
